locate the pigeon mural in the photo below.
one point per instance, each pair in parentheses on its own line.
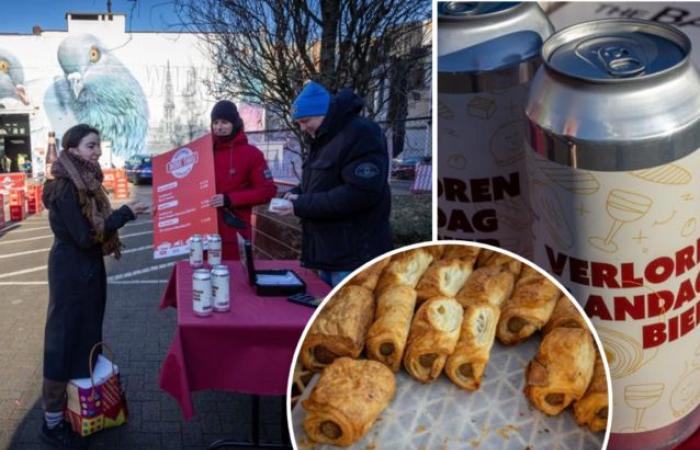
(97,89)
(11,78)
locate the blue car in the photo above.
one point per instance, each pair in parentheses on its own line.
(139,169)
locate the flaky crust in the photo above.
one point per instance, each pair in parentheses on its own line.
(350,394)
(443,278)
(369,277)
(489,258)
(562,368)
(433,337)
(565,315)
(340,328)
(387,337)
(487,284)
(476,338)
(529,308)
(464,252)
(404,269)
(592,409)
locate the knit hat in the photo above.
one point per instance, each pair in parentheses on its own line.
(313,100)
(226,110)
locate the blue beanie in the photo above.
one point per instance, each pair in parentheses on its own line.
(313,100)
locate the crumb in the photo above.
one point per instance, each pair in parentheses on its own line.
(546,430)
(420,429)
(504,432)
(371,446)
(475,443)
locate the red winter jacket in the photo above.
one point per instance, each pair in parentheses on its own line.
(242,175)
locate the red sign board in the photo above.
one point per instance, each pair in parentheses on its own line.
(183,184)
(9,181)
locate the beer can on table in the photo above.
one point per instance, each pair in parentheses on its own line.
(201,292)
(196,251)
(214,250)
(487,55)
(220,288)
(614,180)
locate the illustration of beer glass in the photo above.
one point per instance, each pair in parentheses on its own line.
(640,397)
(623,207)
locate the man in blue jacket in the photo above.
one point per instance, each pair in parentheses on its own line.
(344,197)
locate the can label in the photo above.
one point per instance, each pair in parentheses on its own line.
(627,246)
(220,291)
(481,168)
(214,250)
(201,296)
(196,253)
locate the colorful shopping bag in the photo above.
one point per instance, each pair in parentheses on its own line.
(97,402)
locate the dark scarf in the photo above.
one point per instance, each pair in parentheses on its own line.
(94,203)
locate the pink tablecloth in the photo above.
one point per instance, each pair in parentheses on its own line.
(692,443)
(248,349)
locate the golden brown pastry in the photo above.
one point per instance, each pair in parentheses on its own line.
(339,329)
(529,308)
(466,365)
(465,252)
(369,277)
(348,398)
(565,315)
(443,278)
(493,258)
(433,337)
(592,409)
(404,268)
(436,250)
(490,284)
(386,338)
(561,371)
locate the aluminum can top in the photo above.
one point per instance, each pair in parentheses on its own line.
(201,274)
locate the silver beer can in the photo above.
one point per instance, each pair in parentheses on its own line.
(201,292)
(214,250)
(487,55)
(196,251)
(220,288)
(614,179)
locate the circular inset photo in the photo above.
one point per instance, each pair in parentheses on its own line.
(449,346)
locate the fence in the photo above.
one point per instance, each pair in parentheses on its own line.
(282,149)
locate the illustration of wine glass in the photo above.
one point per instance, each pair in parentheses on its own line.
(640,397)
(623,207)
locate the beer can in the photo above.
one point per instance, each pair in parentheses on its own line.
(214,250)
(220,288)
(614,179)
(196,251)
(201,292)
(487,55)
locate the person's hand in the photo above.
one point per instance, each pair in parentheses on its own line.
(291,197)
(217,201)
(286,210)
(137,207)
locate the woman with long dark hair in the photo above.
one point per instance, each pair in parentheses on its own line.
(85,230)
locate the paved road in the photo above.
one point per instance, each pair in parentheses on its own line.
(138,332)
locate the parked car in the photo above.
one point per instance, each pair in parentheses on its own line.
(139,169)
(405,168)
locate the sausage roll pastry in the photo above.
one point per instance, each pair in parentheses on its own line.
(529,308)
(565,315)
(386,338)
(493,258)
(368,278)
(339,329)
(404,268)
(443,278)
(433,337)
(465,252)
(561,371)
(592,409)
(348,398)
(466,365)
(487,284)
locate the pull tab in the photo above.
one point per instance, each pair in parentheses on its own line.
(620,62)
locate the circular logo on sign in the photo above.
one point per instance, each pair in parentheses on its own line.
(182,163)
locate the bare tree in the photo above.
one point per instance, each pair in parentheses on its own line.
(265,50)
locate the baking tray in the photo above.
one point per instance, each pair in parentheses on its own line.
(441,416)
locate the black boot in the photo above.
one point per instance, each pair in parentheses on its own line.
(62,436)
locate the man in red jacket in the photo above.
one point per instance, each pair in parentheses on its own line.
(242,177)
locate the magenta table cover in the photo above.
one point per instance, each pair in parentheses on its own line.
(248,349)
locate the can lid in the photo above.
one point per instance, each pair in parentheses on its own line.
(614,50)
(202,273)
(462,10)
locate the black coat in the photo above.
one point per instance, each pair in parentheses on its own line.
(344,197)
(77,283)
